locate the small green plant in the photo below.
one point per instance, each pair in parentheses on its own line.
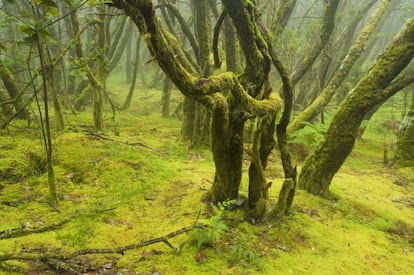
(243,253)
(211,229)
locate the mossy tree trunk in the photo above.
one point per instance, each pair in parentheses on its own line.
(227,148)
(14,92)
(166,94)
(401,82)
(229,97)
(187,126)
(319,168)
(263,143)
(404,155)
(5,108)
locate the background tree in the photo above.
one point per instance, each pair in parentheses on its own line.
(404,155)
(376,87)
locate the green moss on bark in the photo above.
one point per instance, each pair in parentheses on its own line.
(404,156)
(319,168)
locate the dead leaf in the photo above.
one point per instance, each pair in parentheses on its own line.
(109,221)
(200,256)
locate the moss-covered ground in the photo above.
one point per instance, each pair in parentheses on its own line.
(137,181)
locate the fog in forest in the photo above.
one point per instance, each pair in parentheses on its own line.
(206,137)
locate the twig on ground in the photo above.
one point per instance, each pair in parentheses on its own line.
(27,229)
(138,143)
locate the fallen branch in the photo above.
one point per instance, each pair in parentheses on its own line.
(63,262)
(26,229)
(138,143)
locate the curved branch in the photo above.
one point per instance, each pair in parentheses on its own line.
(184,27)
(326,31)
(217,27)
(230,82)
(347,63)
(282,16)
(258,62)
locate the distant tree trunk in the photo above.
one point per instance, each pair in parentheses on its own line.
(95,85)
(201,126)
(352,56)
(282,16)
(14,92)
(136,65)
(365,121)
(5,108)
(57,106)
(319,168)
(231,47)
(328,24)
(117,45)
(404,156)
(128,62)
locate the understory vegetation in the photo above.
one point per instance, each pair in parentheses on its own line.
(137,181)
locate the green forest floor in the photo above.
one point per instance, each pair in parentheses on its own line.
(138,181)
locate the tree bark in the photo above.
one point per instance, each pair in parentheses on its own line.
(319,168)
(166,94)
(227,148)
(13,92)
(404,156)
(228,96)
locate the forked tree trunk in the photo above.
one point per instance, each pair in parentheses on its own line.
(319,168)
(229,97)
(263,143)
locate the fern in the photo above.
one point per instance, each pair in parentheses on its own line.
(211,229)
(309,135)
